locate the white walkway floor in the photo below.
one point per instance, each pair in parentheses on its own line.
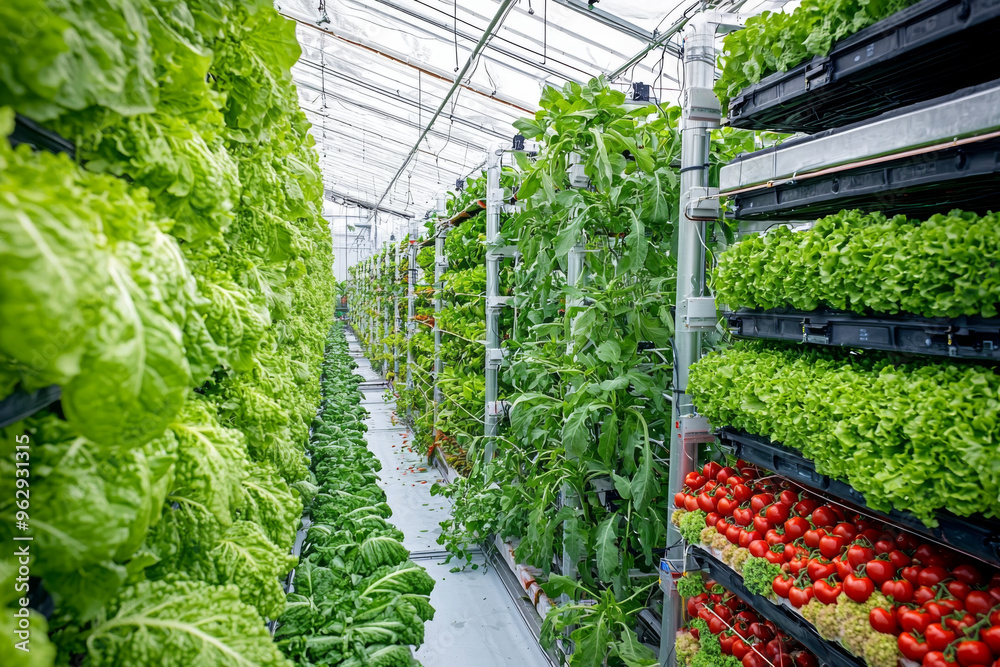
(476,623)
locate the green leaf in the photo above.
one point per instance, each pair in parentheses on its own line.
(605,542)
(645,485)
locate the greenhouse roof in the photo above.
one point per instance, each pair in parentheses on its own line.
(373,73)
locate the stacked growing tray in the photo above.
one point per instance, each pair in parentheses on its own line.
(902,117)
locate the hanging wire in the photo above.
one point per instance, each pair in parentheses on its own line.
(455,33)
(545,32)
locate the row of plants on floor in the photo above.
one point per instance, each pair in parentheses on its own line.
(176,282)
(356,598)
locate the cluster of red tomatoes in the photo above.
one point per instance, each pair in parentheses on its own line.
(756,642)
(946,610)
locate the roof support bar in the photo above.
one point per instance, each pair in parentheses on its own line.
(403,59)
(608,19)
(487,34)
(331,195)
(657,41)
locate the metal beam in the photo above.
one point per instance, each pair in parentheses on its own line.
(330,195)
(404,59)
(608,19)
(497,18)
(677,26)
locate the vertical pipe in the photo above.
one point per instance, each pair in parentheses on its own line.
(699,71)
(575,277)
(411,313)
(439,268)
(395,316)
(494,200)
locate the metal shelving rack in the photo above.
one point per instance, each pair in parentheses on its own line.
(940,151)
(931,156)
(925,50)
(963,337)
(830,654)
(976,536)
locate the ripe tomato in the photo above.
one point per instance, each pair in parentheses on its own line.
(824,516)
(761,523)
(857,555)
(800,596)
(804,659)
(775,557)
(774,537)
(741,493)
(758,548)
(694,481)
(820,568)
(924,551)
(796,527)
(777,513)
(831,545)
(711,469)
(880,571)
(883,621)
(726,506)
(899,559)
(748,537)
(973,652)
(858,588)
(805,507)
(813,536)
(845,530)
(733,534)
(715,625)
(913,620)
(883,545)
(936,610)
(911,647)
(740,648)
(932,576)
(960,625)
(691,503)
(725,473)
(991,636)
(843,567)
(923,594)
(826,592)
(938,636)
(753,659)
(712,519)
(721,526)
(706,503)
(679,499)
(900,590)
(726,641)
(782,585)
(906,541)
(937,659)
(788,498)
(761,632)
(979,602)
(911,573)
(743,516)
(760,501)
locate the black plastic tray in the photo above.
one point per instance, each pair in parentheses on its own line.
(926,50)
(27,131)
(829,654)
(959,338)
(21,405)
(964,177)
(976,536)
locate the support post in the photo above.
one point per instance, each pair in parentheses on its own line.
(494,202)
(440,266)
(411,313)
(699,115)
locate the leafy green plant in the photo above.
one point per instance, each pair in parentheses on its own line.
(602,628)
(776,41)
(945,266)
(888,427)
(758,576)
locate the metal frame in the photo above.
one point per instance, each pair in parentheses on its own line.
(440,266)
(696,124)
(494,355)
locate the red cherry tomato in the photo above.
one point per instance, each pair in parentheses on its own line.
(880,571)
(900,590)
(694,481)
(913,620)
(845,530)
(711,469)
(796,527)
(812,537)
(911,647)
(932,576)
(782,585)
(800,596)
(760,501)
(938,636)
(971,652)
(824,516)
(831,545)
(826,592)
(857,555)
(858,588)
(883,621)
